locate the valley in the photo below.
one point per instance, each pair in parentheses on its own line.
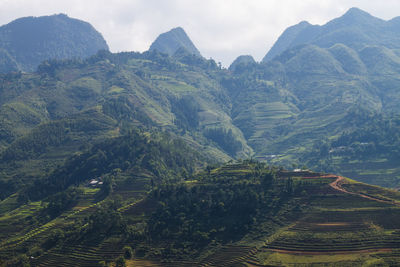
(166,158)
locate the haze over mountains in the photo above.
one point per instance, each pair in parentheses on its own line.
(355,29)
(26,42)
(100,150)
(170,42)
(319,87)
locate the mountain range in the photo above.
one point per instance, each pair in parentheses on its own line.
(154,128)
(277,110)
(355,29)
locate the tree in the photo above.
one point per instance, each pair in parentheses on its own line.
(120,262)
(128,252)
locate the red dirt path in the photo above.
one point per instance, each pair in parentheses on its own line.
(337,185)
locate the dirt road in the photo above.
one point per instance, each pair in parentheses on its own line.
(337,185)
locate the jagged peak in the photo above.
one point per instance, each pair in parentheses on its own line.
(355,11)
(356,15)
(170,42)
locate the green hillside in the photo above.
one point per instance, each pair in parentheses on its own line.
(245,214)
(164,158)
(278,110)
(82,102)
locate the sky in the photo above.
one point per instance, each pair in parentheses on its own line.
(221,30)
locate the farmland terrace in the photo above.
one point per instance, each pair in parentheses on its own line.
(337,222)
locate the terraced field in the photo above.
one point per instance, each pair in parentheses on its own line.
(22,238)
(82,255)
(347,224)
(353,220)
(229,256)
(382,172)
(17,238)
(342,223)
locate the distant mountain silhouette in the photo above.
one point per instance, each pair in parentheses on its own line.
(26,42)
(355,29)
(170,42)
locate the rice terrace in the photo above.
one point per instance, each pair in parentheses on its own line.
(333,221)
(200,133)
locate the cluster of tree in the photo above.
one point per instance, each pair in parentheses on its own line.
(186,111)
(167,158)
(377,136)
(217,208)
(121,109)
(106,220)
(225,139)
(7,187)
(62,201)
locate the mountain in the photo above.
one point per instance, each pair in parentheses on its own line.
(148,158)
(26,42)
(276,111)
(241,62)
(81,102)
(355,29)
(286,39)
(170,42)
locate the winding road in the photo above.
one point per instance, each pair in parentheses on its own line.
(337,185)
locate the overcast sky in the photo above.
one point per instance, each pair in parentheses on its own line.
(221,30)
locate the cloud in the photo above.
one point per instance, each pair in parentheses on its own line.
(222,30)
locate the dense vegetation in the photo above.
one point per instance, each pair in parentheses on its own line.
(215,208)
(118,156)
(375,141)
(165,158)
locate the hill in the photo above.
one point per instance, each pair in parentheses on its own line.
(26,42)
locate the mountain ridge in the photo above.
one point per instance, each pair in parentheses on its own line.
(356,28)
(151,156)
(30,40)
